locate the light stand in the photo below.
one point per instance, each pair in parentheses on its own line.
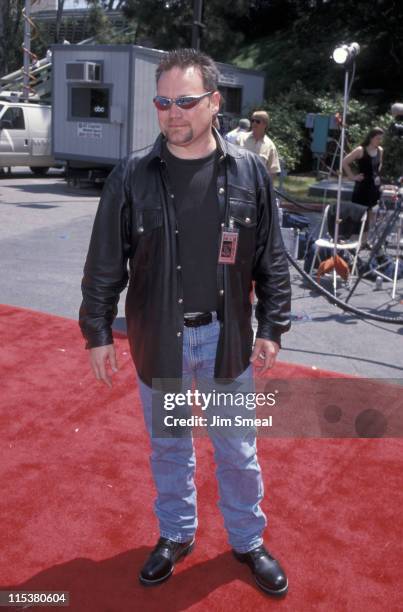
(343,55)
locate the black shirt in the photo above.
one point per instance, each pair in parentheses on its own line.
(194,185)
(367,191)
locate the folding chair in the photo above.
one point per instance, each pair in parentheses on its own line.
(349,214)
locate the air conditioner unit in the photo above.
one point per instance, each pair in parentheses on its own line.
(87,72)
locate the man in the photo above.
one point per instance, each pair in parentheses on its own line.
(258,141)
(188,309)
(242,128)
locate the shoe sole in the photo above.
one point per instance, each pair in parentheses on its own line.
(184,553)
(274,593)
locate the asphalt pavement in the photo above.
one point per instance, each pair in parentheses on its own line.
(45,227)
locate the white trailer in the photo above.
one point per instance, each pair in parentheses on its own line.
(102,101)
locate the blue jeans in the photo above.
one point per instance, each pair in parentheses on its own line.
(173,461)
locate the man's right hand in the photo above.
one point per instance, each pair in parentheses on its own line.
(100,356)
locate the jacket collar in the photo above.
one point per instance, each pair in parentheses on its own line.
(225,148)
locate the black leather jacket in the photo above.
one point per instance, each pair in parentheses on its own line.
(135,224)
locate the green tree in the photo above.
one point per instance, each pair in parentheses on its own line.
(287,116)
(301,47)
(167,24)
(100,26)
(11,35)
(160,23)
(288,111)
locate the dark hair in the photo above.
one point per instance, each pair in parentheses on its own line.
(376,131)
(183,58)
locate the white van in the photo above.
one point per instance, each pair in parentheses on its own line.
(25,136)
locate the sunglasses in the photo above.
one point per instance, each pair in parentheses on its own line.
(256,121)
(184,102)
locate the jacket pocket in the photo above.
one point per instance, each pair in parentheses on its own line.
(243,217)
(147,220)
(243,213)
(146,237)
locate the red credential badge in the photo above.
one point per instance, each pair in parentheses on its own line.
(228,245)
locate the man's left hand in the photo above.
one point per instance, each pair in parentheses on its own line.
(264,354)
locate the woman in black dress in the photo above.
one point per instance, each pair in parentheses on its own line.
(368,158)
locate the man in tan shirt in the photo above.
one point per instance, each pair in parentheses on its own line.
(258,142)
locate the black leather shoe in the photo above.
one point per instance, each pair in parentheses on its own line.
(161,562)
(269,574)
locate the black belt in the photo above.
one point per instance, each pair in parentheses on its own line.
(205,318)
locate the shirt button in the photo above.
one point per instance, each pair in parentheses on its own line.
(141,229)
(176,231)
(179,334)
(171,195)
(179,267)
(221,291)
(247,220)
(180,301)
(221,190)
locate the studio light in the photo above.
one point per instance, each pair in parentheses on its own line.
(344,54)
(340,54)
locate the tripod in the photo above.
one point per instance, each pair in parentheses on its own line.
(395,218)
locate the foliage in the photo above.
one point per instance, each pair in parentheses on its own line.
(287,119)
(11,35)
(287,116)
(300,49)
(100,26)
(360,116)
(288,111)
(222,36)
(167,24)
(377,26)
(160,23)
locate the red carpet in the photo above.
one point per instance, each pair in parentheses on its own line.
(76,496)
